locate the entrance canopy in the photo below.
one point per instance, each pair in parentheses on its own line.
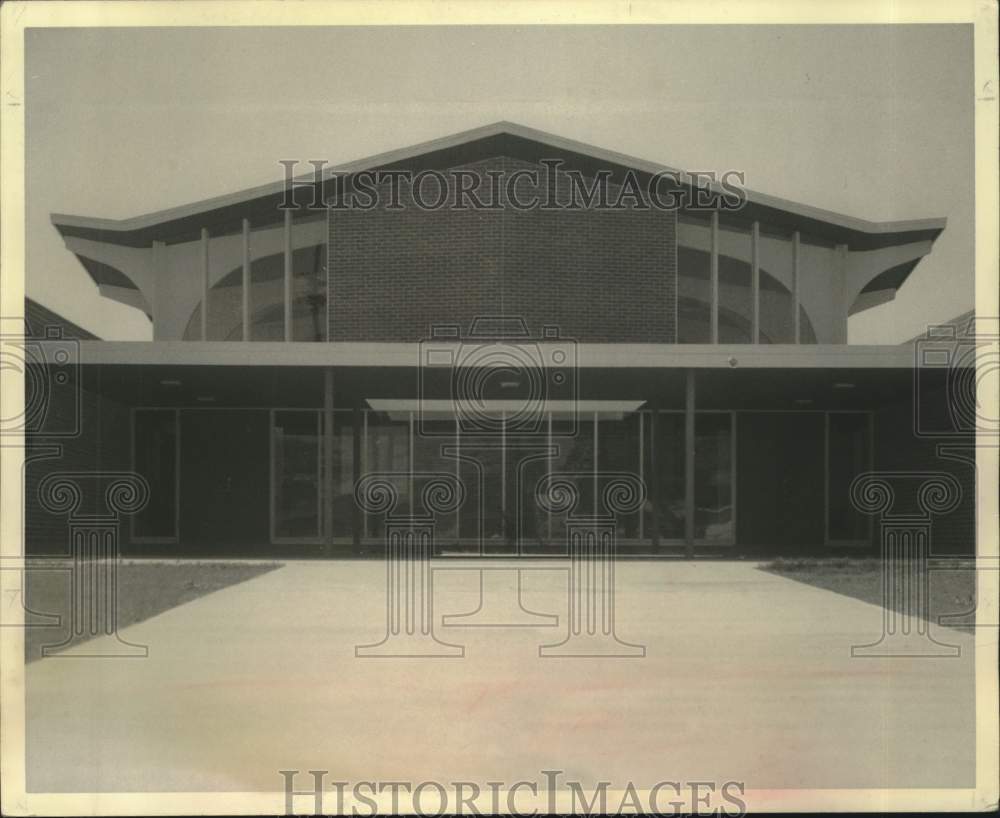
(401,409)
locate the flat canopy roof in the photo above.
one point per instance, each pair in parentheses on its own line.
(410,355)
(400,408)
(398,389)
(224,214)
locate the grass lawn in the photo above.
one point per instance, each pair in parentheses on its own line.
(952,591)
(144,590)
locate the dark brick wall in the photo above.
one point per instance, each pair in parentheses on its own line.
(897,448)
(600,275)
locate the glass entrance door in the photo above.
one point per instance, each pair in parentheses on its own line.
(296,482)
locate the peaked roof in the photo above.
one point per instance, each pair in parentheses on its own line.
(223,214)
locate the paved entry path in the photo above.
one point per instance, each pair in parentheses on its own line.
(747,676)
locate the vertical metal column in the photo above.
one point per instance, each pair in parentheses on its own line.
(357,515)
(246,280)
(204,283)
(755,279)
(503,476)
(328,445)
(548,443)
(714,272)
(288,275)
(642,474)
(597,472)
(689,455)
(654,481)
(458,477)
(796,252)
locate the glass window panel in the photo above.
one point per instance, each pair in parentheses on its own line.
(309,294)
(225,308)
(713,478)
(665,469)
(433,439)
(735,292)
(296,452)
(386,449)
(531,467)
(575,455)
(694,292)
(618,453)
(342,471)
(776,325)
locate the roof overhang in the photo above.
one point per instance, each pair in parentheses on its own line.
(224,214)
(410,355)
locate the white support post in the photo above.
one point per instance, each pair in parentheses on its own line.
(551,464)
(714,259)
(597,501)
(755,279)
(689,455)
(503,475)
(840,329)
(327,471)
(642,473)
(288,275)
(246,279)
(796,252)
(204,283)
(458,477)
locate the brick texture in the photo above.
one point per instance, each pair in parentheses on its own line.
(599,275)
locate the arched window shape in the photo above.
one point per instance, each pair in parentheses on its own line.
(267,300)
(693,316)
(735,303)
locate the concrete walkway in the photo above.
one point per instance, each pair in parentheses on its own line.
(747,676)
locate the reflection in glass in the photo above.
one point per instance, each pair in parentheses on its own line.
(665,466)
(618,440)
(296,453)
(713,479)
(434,439)
(386,449)
(342,473)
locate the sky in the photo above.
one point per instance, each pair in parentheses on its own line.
(871,121)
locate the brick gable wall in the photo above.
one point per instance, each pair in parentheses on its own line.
(599,275)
